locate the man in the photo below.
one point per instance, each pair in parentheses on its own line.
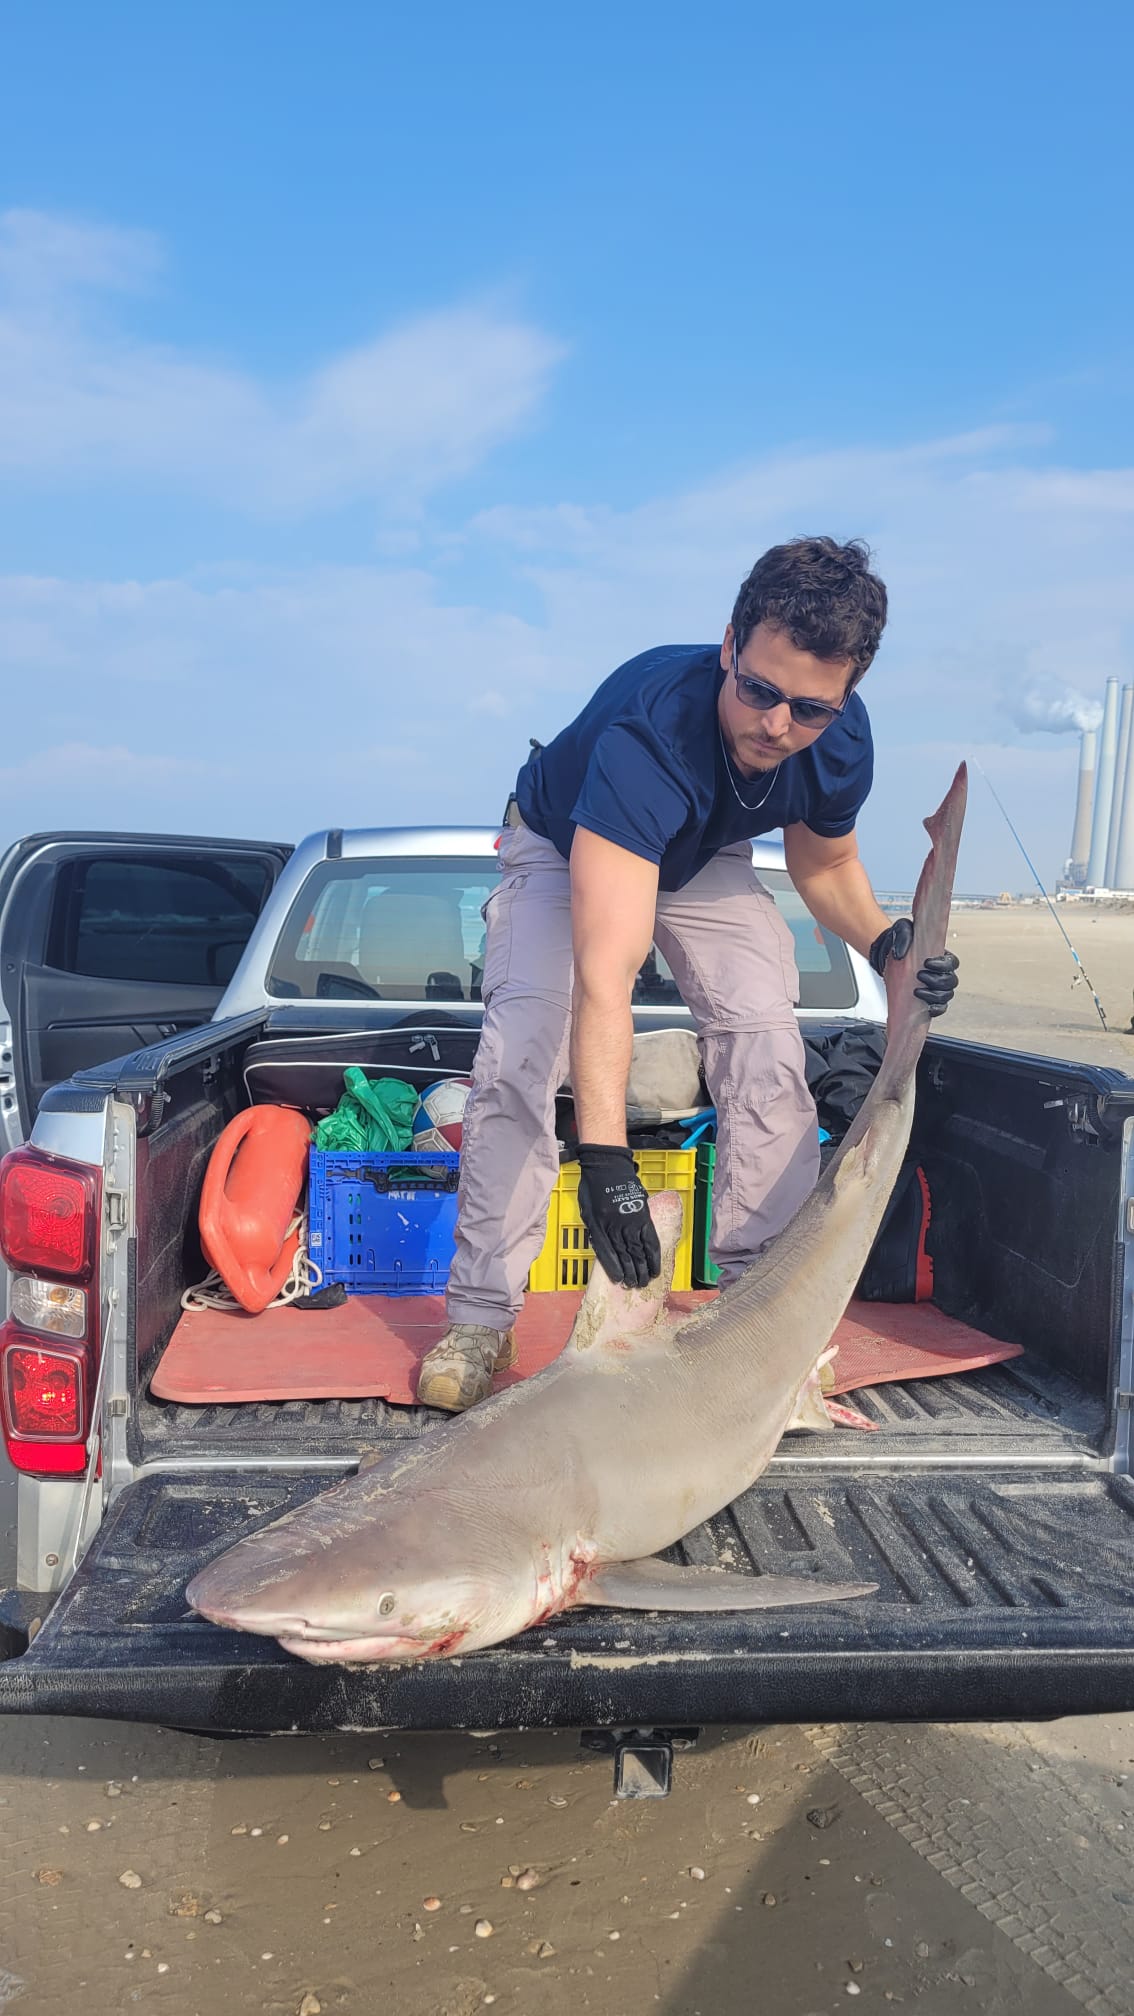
(634,826)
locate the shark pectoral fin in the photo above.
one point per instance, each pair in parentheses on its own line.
(659,1585)
(618,1317)
(810,1410)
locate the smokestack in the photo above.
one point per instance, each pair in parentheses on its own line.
(1104,788)
(1084,804)
(1124,860)
(1119,784)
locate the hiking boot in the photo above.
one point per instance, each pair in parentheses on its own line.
(458,1371)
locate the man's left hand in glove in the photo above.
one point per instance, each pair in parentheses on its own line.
(937,979)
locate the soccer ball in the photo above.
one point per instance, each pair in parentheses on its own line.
(438,1122)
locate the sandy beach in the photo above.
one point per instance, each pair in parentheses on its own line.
(1019,988)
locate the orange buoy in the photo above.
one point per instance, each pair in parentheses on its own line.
(252,1189)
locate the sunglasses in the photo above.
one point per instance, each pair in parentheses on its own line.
(760,694)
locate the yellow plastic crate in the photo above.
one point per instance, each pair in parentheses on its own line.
(566,1256)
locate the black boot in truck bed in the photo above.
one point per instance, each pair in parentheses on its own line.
(1002,1591)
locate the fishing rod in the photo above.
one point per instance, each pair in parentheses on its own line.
(1082,972)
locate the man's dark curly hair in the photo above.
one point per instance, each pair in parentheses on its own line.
(821,595)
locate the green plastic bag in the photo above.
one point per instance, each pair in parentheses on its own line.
(374,1116)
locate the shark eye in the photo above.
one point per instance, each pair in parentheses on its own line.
(386,1604)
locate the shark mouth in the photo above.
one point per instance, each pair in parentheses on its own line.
(351,1651)
(322,1650)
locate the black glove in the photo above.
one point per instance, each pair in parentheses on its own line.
(616,1212)
(937,978)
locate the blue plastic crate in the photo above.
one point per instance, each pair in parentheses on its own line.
(383,1224)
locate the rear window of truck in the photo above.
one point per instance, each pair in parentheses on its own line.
(413,930)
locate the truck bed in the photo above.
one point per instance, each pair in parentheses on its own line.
(993,1509)
(1025,1199)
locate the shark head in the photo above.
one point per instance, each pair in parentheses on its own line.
(337,1591)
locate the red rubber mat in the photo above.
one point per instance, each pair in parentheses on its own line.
(372,1345)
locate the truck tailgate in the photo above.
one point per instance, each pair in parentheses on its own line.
(1005,1594)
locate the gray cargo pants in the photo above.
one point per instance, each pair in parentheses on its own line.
(732,957)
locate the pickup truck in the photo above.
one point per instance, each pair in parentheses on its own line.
(995,1510)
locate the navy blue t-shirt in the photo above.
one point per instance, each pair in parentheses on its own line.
(643,765)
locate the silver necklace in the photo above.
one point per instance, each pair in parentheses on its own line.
(743,802)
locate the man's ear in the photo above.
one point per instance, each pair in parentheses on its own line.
(726,650)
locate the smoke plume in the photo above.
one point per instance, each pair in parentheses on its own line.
(1054,710)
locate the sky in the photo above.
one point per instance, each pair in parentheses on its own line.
(374,380)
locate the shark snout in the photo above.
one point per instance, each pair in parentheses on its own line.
(227,1593)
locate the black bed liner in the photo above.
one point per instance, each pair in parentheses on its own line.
(982,1579)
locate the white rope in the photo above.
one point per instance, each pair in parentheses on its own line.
(306,1275)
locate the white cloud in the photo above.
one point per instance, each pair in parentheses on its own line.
(71,766)
(1000,574)
(45,258)
(266,705)
(102,786)
(394,418)
(274,701)
(1003,576)
(492,702)
(271,705)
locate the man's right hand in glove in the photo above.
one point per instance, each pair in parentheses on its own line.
(616,1212)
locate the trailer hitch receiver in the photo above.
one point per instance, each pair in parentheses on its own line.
(643,1758)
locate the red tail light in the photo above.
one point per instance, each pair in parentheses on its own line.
(49,1231)
(44,1393)
(48,1215)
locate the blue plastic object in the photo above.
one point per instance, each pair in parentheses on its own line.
(383,1224)
(700,1123)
